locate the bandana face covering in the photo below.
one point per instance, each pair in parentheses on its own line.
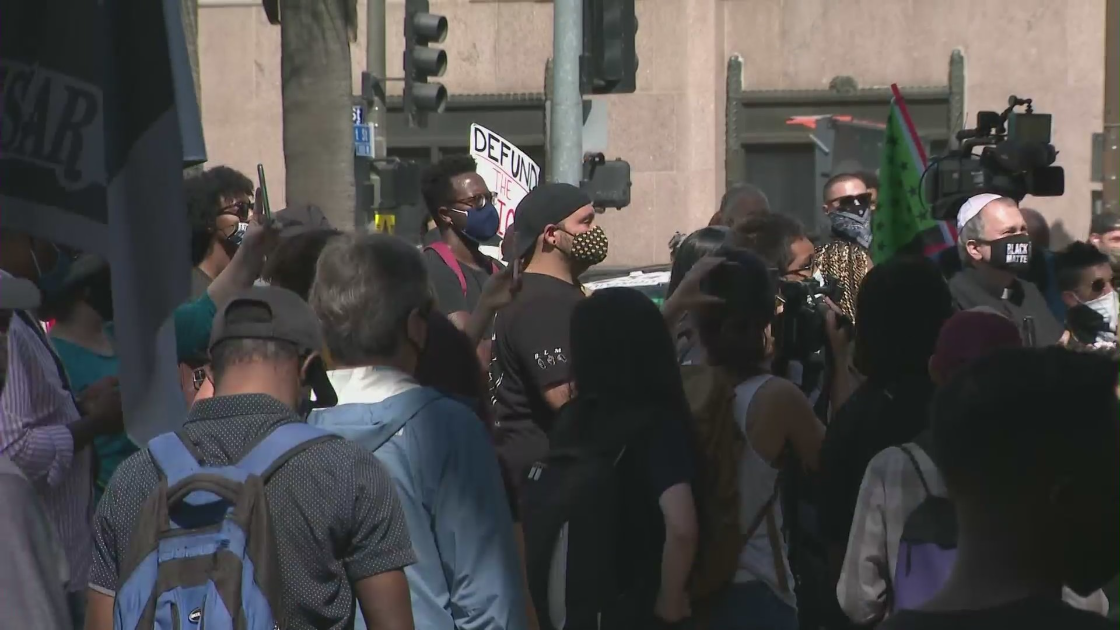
(852,228)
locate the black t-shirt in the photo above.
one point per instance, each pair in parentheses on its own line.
(1022,299)
(659,456)
(530,354)
(446,287)
(872,419)
(1027,614)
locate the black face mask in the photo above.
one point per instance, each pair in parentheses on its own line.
(1012,253)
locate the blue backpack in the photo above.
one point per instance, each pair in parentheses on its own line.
(202,553)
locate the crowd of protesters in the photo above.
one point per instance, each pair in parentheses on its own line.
(388,436)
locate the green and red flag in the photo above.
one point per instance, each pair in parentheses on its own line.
(902,221)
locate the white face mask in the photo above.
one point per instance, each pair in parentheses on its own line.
(1107,307)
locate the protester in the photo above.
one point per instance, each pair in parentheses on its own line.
(292,265)
(1042,270)
(772,413)
(1104,233)
(1084,277)
(32,585)
(85,338)
(994,247)
(1037,501)
(336,521)
(703,242)
(629,400)
(557,240)
(372,297)
(44,428)
(901,480)
(893,349)
(219,207)
(848,203)
(741,202)
(897,481)
(823,374)
(463,210)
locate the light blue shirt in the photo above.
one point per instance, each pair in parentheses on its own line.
(468,573)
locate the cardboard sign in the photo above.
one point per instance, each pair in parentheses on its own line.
(507,171)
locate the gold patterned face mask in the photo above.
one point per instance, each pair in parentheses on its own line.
(590,247)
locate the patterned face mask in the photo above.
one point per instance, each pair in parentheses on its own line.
(590,247)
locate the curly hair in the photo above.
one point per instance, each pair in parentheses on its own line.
(435,185)
(204,192)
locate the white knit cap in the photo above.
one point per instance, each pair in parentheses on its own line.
(973,206)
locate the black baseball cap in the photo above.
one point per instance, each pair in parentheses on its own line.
(545,205)
(285,317)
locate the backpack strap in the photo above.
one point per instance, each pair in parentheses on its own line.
(278,447)
(448,258)
(917,468)
(766,515)
(173,458)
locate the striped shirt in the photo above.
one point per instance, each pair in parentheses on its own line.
(35,409)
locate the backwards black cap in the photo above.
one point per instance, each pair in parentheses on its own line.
(545,205)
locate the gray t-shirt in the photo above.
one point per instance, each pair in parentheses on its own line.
(334,512)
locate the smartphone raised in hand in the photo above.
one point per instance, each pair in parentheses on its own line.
(262,197)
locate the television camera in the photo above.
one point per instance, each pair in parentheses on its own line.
(1015,159)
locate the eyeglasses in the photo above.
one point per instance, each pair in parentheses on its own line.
(476,201)
(1098,285)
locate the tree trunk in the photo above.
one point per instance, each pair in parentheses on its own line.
(316,91)
(190,30)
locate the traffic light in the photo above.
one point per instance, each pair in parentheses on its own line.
(610,61)
(421,62)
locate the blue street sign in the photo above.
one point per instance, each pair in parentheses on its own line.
(358,114)
(363,141)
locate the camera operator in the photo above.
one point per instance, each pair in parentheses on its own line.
(994,248)
(812,346)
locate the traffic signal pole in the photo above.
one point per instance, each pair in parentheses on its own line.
(566,118)
(375,114)
(1110,194)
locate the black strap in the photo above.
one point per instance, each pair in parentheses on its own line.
(917,468)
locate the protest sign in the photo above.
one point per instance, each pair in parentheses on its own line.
(507,171)
(100,118)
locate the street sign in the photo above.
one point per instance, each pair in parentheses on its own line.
(363,140)
(358,114)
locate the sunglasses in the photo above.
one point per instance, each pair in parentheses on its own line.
(241,209)
(860,201)
(1098,285)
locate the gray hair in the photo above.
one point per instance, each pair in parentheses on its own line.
(366,286)
(973,230)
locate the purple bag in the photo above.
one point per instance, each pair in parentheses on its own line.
(927,549)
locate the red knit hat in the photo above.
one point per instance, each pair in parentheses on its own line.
(971,335)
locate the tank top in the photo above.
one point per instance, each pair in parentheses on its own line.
(756,483)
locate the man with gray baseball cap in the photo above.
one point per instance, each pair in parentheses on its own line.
(338,526)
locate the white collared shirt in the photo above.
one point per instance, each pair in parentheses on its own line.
(369,385)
